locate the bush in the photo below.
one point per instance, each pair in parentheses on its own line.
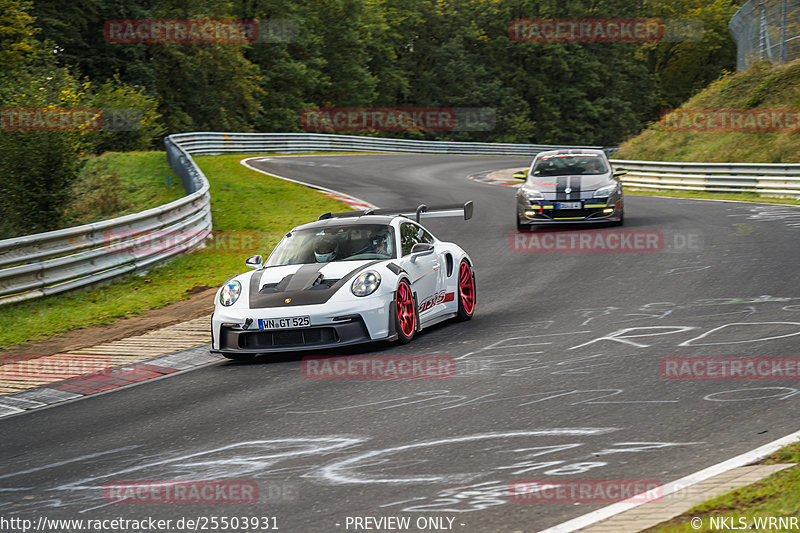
(97,194)
(130,119)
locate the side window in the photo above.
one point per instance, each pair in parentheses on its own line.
(411,234)
(424,236)
(408,237)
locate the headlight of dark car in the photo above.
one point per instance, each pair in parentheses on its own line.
(533,195)
(605,192)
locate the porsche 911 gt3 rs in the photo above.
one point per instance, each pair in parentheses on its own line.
(570,186)
(345,279)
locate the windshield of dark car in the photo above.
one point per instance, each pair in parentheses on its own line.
(353,242)
(569,164)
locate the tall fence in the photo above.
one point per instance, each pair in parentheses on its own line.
(766,30)
(57,261)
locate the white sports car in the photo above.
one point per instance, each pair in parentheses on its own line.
(344,279)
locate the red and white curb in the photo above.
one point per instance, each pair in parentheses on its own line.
(498,177)
(36,382)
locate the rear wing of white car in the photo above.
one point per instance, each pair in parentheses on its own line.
(418,213)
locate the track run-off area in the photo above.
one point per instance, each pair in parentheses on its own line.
(568,371)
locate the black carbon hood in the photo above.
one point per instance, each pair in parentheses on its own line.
(305,287)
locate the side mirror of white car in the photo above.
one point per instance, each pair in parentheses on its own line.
(254,261)
(421,249)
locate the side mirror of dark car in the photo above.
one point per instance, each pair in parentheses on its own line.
(421,249)
(254,261)
(620,171)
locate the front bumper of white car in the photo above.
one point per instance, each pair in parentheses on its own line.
(348,323)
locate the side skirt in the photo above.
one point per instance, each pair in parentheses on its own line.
(437,319)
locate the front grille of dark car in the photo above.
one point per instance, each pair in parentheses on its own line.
(559,213)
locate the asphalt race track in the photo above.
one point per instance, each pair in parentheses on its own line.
(559,377)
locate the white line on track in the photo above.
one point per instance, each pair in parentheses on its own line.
(246,163)
(746,458)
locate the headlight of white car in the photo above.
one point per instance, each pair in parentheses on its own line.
(366,283)
(604,192)
(531,194)
(230,293)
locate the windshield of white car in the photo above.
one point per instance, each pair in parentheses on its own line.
(569,164)
(353,242)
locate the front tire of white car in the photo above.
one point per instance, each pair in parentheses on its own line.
(405,313)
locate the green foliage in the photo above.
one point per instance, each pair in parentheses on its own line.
(38,169)
(16,33)
(399,53)
(130,118)
(760,86)
(682,69)
(116,184)
(242,199)
(341,53)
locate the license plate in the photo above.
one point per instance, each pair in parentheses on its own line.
(568,205)
(284,323)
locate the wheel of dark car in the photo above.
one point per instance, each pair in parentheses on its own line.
(520,226)
(621,218)
(466,291)
(405,313)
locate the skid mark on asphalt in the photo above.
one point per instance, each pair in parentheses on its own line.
(346,460)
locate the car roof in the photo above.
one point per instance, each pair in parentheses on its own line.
(350,221)
(572,151)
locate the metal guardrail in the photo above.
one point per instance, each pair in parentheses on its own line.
(207,143)
(56,261)
(761,178)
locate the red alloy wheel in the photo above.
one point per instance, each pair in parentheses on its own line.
(466,288)
(406,316)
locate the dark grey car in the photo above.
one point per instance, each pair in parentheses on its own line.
(568,187)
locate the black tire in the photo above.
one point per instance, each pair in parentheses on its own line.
(520,226)
(463,313)
(404,291)
(621,218)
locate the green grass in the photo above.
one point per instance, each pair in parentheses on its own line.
(761,86)
(777,495)
(263,207)
(733,196)
(116,184)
